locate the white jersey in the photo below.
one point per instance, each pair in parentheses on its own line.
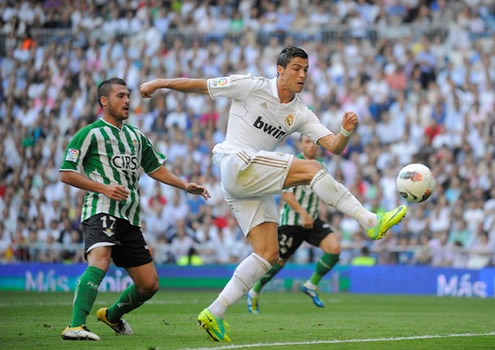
(257,119)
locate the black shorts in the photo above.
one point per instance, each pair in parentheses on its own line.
(291,237)
(128,245)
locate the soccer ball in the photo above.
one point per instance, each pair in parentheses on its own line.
(415,183)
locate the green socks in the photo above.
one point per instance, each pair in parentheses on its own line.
(85,294)
(325,264)
(128,301)
(258,285)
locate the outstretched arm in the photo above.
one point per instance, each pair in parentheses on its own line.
(180,84)
(337,143)
(165,176)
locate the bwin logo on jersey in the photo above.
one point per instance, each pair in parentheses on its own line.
(125,162)
(268,128)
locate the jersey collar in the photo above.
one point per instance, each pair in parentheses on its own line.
(111,125)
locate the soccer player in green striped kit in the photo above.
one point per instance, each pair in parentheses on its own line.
(299,222)
(104,158)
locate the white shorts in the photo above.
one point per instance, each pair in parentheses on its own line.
(249,182)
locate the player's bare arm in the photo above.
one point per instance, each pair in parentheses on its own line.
(337,143)
(180,84)
(165,176)
(112,191)
(307,220)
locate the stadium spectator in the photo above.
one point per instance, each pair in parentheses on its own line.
(461,39)
(192,258)
(364,259)
(180,241)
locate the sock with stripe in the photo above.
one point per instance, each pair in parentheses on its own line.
(129,299)
(248,272)
(258,286)
(85,294)
(338,196)
(325,264)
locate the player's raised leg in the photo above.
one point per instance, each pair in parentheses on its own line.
(263,240)
(338,196)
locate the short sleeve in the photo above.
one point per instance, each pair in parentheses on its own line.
(76,150)
(234,86)
(151,160)
(312,127)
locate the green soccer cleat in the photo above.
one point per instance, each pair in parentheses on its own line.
(215,327)
(121,327)
(252,303)
(78,333)
(385,221)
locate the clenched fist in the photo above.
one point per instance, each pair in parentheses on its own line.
(147,89)
(350,121)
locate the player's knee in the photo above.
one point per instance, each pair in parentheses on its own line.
(149,289)
(99,261)
(270,255)
(314,166)
(333,249)
(273,258)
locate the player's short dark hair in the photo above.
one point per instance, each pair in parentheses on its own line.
(289,53)
(106,85)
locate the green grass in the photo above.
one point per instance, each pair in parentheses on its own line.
(168,321)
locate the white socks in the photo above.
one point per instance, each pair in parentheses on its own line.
(248,272)
(336,195)
(310,285)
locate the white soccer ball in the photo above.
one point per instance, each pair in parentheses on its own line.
(415,183)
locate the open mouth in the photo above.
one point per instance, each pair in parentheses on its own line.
(126,108)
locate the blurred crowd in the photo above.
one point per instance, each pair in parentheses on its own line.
(419,74)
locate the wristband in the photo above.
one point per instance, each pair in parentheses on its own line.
(345,132)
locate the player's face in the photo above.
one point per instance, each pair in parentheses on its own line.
(294,75)
(118,102)
(308,147)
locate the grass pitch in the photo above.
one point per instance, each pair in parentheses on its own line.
(287,321)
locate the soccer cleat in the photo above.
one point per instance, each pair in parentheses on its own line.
(78,333)
(385,221)
(216,328)
(313,294)
(252,303)
(120,327)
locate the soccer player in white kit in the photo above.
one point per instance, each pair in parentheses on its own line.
(263,113)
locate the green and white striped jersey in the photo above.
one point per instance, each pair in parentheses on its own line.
(107,154)
(306,197)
